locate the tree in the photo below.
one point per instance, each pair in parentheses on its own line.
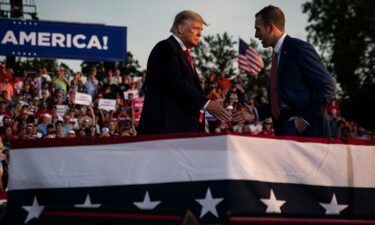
(215,54)
(33,64)
(344,30)
(87,65)
(131,66)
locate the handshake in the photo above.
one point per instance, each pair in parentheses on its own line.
(245,114)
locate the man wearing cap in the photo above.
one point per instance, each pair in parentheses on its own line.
(43,126)
(71,134)
(29,132)
(174,99)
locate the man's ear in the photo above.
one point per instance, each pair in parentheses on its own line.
(270,28)
(180,28)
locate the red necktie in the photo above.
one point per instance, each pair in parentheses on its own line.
(187,53)
(275,108)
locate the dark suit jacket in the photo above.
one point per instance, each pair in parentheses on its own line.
(173,94)
(304,89)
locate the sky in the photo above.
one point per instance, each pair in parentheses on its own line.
(149,21)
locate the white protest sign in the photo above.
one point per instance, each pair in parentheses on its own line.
(107,104)
(61,109)
(134,92)
(82,99)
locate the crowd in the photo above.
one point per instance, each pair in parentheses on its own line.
(41,105)
(31,105)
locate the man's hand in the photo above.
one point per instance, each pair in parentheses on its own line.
(214,108)
(246,114)
(300,123)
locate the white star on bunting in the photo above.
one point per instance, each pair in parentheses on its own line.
(147,203)
(87,204)
(33,211)
(333,207)
(209,204)
(273,205)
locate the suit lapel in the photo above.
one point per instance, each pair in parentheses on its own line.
(181,52)
(187,63)
(283,55)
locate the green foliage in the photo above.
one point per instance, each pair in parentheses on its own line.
(34,64)
(215,54)
(130,67)
(344,30)
(87,65)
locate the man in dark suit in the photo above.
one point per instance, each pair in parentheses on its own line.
(174,99)
(300,86)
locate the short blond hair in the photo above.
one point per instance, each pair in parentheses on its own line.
(181,17)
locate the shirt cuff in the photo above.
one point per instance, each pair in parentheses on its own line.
(205,105)
(308,124)
(256,114)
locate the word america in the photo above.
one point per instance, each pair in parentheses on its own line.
(45,39)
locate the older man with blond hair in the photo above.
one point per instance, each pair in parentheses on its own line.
(174,99)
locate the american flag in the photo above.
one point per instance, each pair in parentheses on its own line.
(249,60)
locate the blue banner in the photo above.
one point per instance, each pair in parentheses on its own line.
(45,39)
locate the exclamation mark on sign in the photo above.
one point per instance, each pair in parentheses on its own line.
(105,43)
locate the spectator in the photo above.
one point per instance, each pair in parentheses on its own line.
(92,83)
(105,132)
(29,134)
(76,83)
(3,108)
(46,76)
(59,130)
(252,94)
(112,127)
(42,127)
(39,80)
(19,125)
(223,82)
(71,134)
(93,131)
(61,83)
(117,79)
(68,125)
(7,122)
(50,132)
(8,136)
(7,87)
(109,78)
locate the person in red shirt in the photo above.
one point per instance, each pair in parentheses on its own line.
(223,82)
(333,108)
(6,86)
